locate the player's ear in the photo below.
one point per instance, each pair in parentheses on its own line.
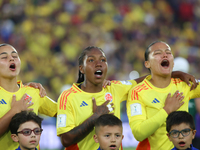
(147,64)
(14,137)
(122,137)
(81,69)
(95,138)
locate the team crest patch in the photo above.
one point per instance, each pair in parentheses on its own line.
(126,82)
(27,96)
(108,96)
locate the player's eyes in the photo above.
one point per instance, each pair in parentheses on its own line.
(15,56)
(91,60)
(3,56)
(103,60)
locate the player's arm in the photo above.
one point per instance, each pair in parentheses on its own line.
(16,107)
(80,132)
(197,104)
(141,127)
(48,107)
(140,79)
(186,78)
(178,74)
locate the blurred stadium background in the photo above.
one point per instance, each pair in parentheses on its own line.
(49,35)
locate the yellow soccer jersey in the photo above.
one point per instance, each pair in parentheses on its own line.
(147,118)
(75,106)
(42,105)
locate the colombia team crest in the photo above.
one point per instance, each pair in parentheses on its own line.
(27,98)
(108,96)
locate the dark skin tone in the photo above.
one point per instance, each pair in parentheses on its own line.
(78,133)
(95,85)
(94,60)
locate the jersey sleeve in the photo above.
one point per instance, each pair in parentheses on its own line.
(141,126)
(65,116)
(123,88)
(47,106)
(196,92)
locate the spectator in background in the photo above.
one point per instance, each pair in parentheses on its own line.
(129,26)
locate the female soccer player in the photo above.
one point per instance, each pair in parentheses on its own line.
(85,101)
(15,97)
(150,102)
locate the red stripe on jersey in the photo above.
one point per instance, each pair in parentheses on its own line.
(77,88)
(176,80)
(21,85)
(72,147)
(148,85)
(137,89)
(132,95)
(69,92)
(144,145)
(143,88)
(62,99)
(116,82)
(135,95)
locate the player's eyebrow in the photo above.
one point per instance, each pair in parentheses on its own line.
(14,52)
(158,50)
(3,53)
(7,53)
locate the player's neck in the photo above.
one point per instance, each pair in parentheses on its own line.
(9,85)
(91,88)
(160,81)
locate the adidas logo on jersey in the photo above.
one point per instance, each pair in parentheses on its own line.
(83,104)
(2,102)
(155,101)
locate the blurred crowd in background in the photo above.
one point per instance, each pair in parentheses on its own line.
(50,35)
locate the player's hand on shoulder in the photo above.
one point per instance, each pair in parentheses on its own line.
(188,78)
(38,86)
(106,83)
